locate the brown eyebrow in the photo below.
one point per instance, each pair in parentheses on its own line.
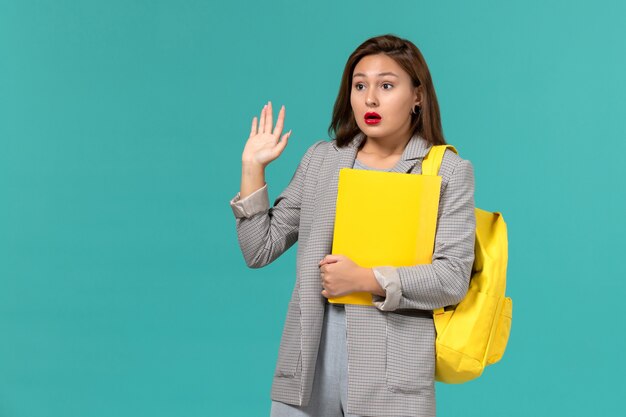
(380,75)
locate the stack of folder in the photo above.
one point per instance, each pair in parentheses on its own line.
(384,219)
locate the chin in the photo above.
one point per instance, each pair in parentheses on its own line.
(373,131)
(368,128)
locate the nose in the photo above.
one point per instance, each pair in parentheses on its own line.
(371,99)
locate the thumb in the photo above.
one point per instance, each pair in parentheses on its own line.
(283,142)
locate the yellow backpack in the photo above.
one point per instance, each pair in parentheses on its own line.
(473,333)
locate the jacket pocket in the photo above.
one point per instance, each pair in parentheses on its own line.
(410,354)
(290,348)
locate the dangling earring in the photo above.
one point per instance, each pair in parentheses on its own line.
(413,109)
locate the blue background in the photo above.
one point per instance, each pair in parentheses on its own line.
(123,291)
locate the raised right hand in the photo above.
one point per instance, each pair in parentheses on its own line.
(263,146)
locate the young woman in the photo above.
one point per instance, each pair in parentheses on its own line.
(354,360)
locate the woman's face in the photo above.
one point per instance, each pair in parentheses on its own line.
(380,85)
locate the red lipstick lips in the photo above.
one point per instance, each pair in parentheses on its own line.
(372,118)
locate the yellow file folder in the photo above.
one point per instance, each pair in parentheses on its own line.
(384,218)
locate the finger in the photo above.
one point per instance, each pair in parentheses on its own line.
(279,123)
(253,128)
(332,258)
(280,146)
(262,120)
(268,117)
(328,261)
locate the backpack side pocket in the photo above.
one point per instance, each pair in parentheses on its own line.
(501,335)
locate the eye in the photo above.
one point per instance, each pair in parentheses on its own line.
(390,85)
(357,85)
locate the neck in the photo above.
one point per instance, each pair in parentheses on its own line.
(386,146)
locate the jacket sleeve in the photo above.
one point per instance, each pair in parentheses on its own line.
(445,281)
(265,233)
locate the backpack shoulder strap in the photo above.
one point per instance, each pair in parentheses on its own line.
(432,161)
(430,166)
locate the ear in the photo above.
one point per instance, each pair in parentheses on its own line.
(418,95)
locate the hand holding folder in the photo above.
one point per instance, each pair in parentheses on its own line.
(384,218)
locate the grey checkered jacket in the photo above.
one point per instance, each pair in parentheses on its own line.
(391,346)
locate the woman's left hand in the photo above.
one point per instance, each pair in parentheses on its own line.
(340,276)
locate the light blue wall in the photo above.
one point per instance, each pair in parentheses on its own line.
(123,291)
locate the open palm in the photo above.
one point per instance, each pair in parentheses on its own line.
(263,145)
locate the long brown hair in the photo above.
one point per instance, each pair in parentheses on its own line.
(426,121)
